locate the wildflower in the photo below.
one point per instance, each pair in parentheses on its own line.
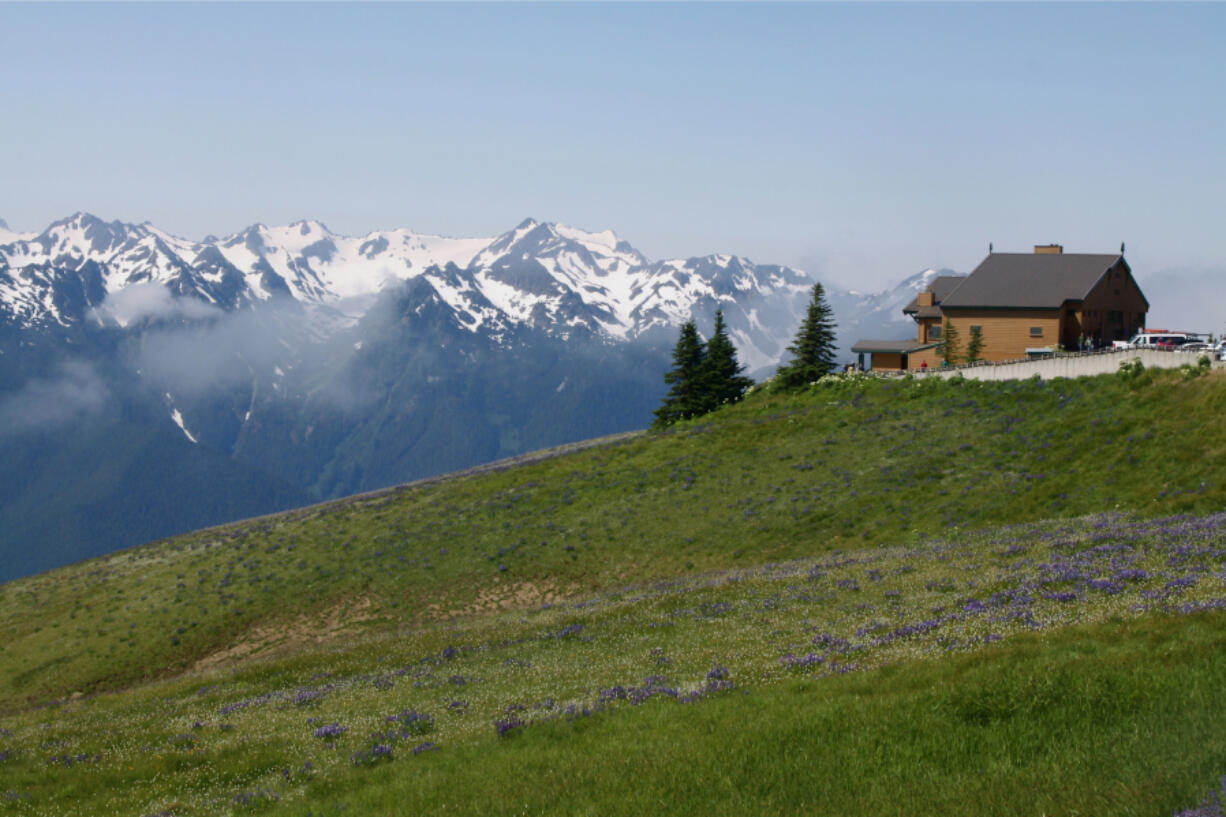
(331,730)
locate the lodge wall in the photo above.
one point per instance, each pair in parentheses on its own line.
(1006,333)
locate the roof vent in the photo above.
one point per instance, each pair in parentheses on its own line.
(1048,249)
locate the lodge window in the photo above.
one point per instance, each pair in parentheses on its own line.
(1115,316)
(934,332)
(976,330)
(1036,331)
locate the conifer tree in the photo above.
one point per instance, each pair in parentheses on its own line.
(813,349)
(975,345)
(725,381)
(687,396)
(947,349)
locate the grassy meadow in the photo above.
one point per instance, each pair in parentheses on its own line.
(873,597)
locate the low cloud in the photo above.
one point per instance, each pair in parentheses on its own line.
(74,391)
(233,349)
(137,302)
(190,347)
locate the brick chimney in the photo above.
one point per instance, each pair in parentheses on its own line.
(924,299)
(1048,249)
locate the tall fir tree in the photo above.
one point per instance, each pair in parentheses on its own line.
(975,345)
(724,379)
(687,396)
(947,349)
(813,349)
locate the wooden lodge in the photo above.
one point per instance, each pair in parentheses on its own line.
(1019,304)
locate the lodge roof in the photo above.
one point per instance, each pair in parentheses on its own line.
(899,346)
(941,286)
(1030,280)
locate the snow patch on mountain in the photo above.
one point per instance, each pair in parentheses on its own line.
(178,418)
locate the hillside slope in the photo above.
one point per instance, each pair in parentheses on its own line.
(862,526)
(859,463)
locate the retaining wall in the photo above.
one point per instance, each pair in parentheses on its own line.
(1076,364)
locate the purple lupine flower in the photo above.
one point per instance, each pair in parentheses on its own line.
(614,693)
(508,726)
(973,606)
(331,730)
(831,643)
(412,722)
(1181,583)
(804,662)
(572,629)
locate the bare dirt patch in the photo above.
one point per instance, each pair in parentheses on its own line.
(499,597)
(266,639)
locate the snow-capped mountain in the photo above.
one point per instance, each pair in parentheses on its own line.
(547,276)
(303,261)
(560,280)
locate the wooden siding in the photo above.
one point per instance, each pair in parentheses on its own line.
(1114,309)
(887,361)
(915,360)
(1006,332)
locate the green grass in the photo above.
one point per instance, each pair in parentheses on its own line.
(1091,721)
(860,512)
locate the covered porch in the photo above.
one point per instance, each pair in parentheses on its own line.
(890,355)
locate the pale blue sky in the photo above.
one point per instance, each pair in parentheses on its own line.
(861,143)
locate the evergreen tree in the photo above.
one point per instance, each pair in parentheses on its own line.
(687,396)
(947,349)
(975,345)
(724,381)
(813,349)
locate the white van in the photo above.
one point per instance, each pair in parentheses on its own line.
(1155,340)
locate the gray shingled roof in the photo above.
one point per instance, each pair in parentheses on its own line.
(1030,281)
(941,286)
(900,346)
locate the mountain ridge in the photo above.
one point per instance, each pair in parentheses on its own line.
(545,274)
(549,275)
